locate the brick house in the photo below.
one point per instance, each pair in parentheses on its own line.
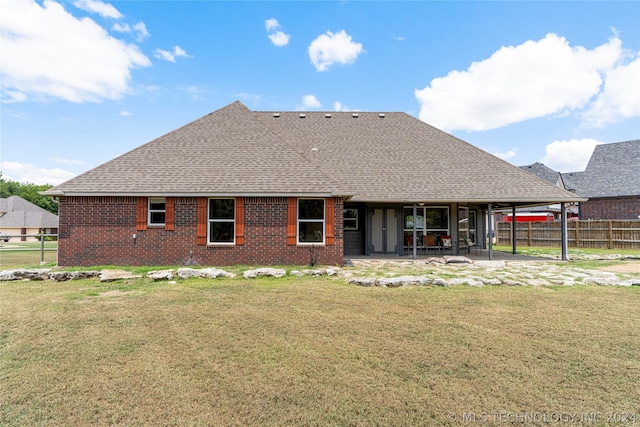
(611,182)
(245,187)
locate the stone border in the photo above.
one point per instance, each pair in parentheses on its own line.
(443,271)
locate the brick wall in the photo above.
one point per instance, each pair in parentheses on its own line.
(610,208)
(99,231)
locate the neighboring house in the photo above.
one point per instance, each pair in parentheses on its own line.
(538,213)
(240,186)
(611,181)
(19,217)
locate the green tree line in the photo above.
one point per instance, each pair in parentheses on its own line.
(29,192)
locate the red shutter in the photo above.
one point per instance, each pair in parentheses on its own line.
(141,223)
(169,216)
(330,220)
(201,221)
(239,220)
(292,219)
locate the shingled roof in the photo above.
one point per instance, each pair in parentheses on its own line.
(385,157)
(613,171)
(16,212)
(540,170)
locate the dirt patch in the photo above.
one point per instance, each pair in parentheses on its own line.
(624,267)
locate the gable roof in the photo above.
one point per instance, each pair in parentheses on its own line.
(386,157)
(16,212)
(541,171)
(613,171)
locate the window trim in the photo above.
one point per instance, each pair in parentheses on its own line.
(323,221)
(232,221)
(151,200)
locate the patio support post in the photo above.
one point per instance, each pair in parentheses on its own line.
(565,239)
(513,229)
(490,227)
(415,233)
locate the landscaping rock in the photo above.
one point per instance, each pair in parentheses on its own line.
(457,260)
(8,275)
(440,282)
(362,281)
(333,271)
(395,282)
(207,273)
(269,272)
(214,273)
(113,275)
(22,274)
(62,276)
(435,260)
(160,275)
(187,273)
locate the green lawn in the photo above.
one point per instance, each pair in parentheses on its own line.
(538,251)
(27,254)
(311,351)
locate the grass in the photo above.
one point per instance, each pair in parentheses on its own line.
(310,351)
(538,251)
(27,254)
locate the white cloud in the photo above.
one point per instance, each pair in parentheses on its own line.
(277,37)
(337,106)
(329,49)
(103,9)
(534,79)
(125,113)
(620,98)
(271,24)
(170,55)
(28,173)
(507,155)
(48,53)
(569,155)
(310,101)
(140,28)
(121,27)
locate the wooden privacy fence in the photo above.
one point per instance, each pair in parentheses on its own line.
(580,234)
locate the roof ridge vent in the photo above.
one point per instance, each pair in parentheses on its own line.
(327,116)
(354,115)
(302,115)
(381,115)
(276,115)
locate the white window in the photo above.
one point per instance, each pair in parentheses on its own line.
(222,221)
(156,212)
(311,221)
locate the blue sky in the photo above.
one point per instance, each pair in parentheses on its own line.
(85,81)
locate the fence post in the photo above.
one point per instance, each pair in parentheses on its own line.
(610,234)
(41,247)
(530,231)
(577,233)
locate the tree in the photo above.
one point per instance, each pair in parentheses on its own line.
(29,192)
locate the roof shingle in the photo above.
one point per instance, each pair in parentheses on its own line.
(390,157)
